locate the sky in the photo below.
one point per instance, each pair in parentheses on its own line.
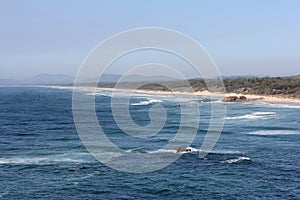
(242,37)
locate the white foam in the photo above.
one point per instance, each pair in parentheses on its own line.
(274,132)
(190,150)
(264,113)
(246,117)
(143,103)
(286,106)
(99,94)
(216,101)
(193,150)
(279,105)
(236,160)
(225,152)
(255,115)
(36,160)
(45,159)
(164,151)
(213,101)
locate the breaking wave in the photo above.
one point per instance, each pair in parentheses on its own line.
(255,115)
(194,150)
(280,105)
(237,160)
(274,132)
(188,150)
(99,94)
(43,160)
(149,101)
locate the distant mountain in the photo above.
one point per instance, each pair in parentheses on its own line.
(113,78)
(110,78)
(298,76)
(40,79)
(49,79)
(8,82)
(253,76)
(143,78)
(62,79)
(241,76)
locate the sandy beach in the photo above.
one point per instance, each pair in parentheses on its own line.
(270,99)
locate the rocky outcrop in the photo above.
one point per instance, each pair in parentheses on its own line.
(235,99)
(240,99)
(243,98)
(180,150)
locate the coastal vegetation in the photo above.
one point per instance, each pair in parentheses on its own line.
(269,86)
(275,86)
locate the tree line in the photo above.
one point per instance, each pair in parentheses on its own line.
(275,86)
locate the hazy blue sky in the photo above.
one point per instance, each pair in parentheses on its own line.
(243,37)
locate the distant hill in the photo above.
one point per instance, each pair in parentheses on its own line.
(275,86)
(8,82)
(281,86)
(113,78)
(40,79)
(49,79)
(143,78)
(239,76)
(62,79)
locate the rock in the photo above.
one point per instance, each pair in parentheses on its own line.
(230,99)
(180,150)
(235,99)
(243,98)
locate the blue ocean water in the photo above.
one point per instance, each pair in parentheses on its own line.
(41,155)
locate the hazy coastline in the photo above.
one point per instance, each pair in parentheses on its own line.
(252,97)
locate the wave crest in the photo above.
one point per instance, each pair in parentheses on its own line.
(237,160)
(274,132)
(144,103)
(254,115)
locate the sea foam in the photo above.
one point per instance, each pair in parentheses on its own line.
(194,150)
(237,160)
(99,94)
(254,115)
(279,105)
(42,160)
(149,101)
(274,132)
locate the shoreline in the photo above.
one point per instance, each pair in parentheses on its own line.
(250,97)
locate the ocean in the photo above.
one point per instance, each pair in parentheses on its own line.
(42,157)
